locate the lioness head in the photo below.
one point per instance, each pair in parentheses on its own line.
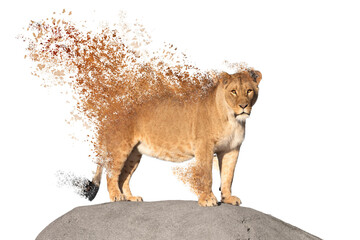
(241,91)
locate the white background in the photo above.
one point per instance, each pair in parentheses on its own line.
(300,158)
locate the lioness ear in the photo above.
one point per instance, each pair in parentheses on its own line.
(256,75)
(224,78)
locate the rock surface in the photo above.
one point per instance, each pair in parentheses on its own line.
(169,220)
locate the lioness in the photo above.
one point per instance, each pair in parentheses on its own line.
(178,131)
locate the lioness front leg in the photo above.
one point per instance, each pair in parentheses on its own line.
(227,163)
(204,158)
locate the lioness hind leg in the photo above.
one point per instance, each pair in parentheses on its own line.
(129,168)
(119,157)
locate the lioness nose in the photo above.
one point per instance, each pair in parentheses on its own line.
(243,105)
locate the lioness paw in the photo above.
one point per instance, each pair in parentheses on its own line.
(116,197)
(233,200)
(208,200)
(134,199)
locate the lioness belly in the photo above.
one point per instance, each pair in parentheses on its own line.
(173,154)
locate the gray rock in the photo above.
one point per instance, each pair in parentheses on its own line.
(169,220)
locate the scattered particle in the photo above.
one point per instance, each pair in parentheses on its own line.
(111,72)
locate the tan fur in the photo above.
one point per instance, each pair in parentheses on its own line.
(177,131)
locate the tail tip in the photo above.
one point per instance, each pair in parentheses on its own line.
(90,190)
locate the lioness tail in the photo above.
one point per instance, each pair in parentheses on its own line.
(91,188)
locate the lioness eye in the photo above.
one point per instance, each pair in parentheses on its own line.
(249,91)
(233,92)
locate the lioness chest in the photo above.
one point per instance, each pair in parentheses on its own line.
(231,137)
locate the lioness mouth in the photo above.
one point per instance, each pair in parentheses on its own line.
(241,114)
